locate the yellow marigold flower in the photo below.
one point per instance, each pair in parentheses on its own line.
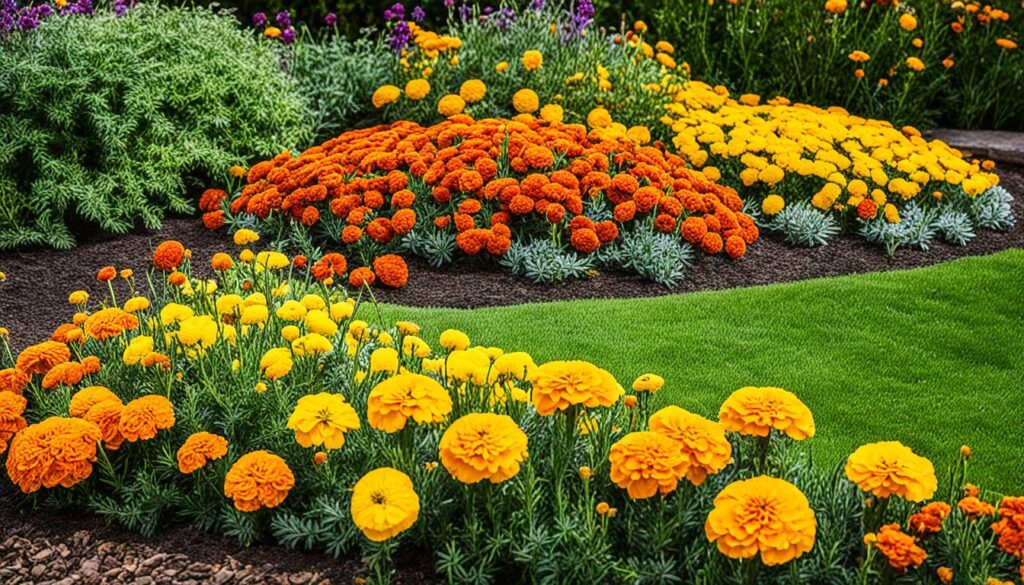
(1007,44)
(276,363)
(648,383)
(859,57)
(701,441)
(773,204)
(384,503)
(56,451)
(244,237)
(645,463)
(139,348)
(269,260)
(501,67)
(586,473)
(664,47)
(255,315)
(762,515)
(290,310)
(639,134)
(908,22)
(200,448)
(199,331)
(394,401)
(415,347)
(318,321)
(407,328)
(258,480)
(472,90)
(453,339)
(640,26)
(272,32)
(323,419)
(311,344)
(890,468)
(599,118)
(384,95)
(136,304)
(482,446)
(468,365)
(835,6)
(237,171)
(756,411)
(144,416)
(915,63)
(451,105)
(892,215)
(517,365)
(552,113)
(79,297)
(290,333)
(559,385)
(384,360)
(525,101)
(417,89)
(532,60)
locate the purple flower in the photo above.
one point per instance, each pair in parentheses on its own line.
(288,36)
(465,12)
(259,19)
(27,22)
(418,14)
(396,12)
(330,19)
(120,7)
(400,36)
(582,16)
(536,5)
(283,18)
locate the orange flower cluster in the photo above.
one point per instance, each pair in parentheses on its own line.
(1010,527)
(482,181)
(56,451)
(199,449)
(258,480)
(70,373)
(929,519)
(42,357)
(898,547)
(12,407)
(144,416)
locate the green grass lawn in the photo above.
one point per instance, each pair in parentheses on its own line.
(932,357)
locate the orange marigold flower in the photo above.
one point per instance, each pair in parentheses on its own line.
(899,548)
(257,480)
(350,234)
(666,224)
(867,209)
(12,407)
(13,380)
(221,262)
(91,365)
(974,507)
(168,255)
(361,277)
(402,221)
(624,212)
(391,270)
(757,411)
(560,385)
(380,230)
(482,446)
(211,198)
(144,416)
(890,468)
(56,451)
(929,519)
(42,357)
(945,575)
(176,278)
(1010,527)
(198,449)
(585,240)
(106,274)
(693,230)
(762,515)
(88,397)
(106,415)
(702,442)
(213,220)
(68,374)
(330,265)
(645,463)
(405,396)
(735,247)
(109,323)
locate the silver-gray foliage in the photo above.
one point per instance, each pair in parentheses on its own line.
(542,261)
(660,257)
(803,225)
(992,209)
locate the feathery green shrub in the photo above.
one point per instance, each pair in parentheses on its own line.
(107,121)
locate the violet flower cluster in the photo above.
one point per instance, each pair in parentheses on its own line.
(24,18)
(283,22)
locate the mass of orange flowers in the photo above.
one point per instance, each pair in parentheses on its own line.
(258,480)
(484,182)
(56,451)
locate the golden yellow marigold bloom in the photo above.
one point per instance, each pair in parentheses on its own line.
(244,237)
(756,411)
(599,118)
(645,463)
(200,448)
(945,575)
(482,446)
(892,215)
(453,339)
(237,171)
(137,349)
(407,328)
(269,260)
(532,60)
(525,101)
(109,323)
(762,515)
(384,95)
(908,22)
(552,114)
(472,90)
(394,401)
(898,547)
(56,451)
(384,504)
(561,384)
(311,344)
(258,480)
(501,67)
(290,310)
(272,32)
(384,360)
(639,134)
(517,365)
(136,304)
(323,419)
(890,468)
(144,416)
(835,6)
(773,204)
(79,297)
(276,363)
(415,347)
(701,441)
(451,105)
(417,89)
(915,63)
(255,315)
(198,331)
(859,57)
(318,321)
(648,383)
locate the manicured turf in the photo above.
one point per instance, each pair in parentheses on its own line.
(932,357)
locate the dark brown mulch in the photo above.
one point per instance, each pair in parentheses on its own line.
(33,301)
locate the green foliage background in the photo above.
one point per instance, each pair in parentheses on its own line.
(106,122)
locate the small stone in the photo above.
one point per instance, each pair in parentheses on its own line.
(38,571)
(43,555)
(222,576)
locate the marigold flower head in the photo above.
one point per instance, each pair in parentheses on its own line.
(645,463)
(482,446)
(108,323)
(136,304)
(417,89)
(929,519)
(453,339)
(532,60)
(756,411)
(1009,530)
(12,407)
(88,397)
(106,415)
(168,255)
(394,401)
(391,270)
(772,205)
(66,374)
(559,385)
(42,357)
(945,575)
(648,383)
(79,297)
(56,451)
(891,469)
(525,101)
(323,419)
(144,416)
(13,380)
(899,548)
(451,105)
(200,448)
(762,515)
(257,480)
(472,90)
(106,274)
(384,95)
(702,442)
(973,507)
(384,504)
